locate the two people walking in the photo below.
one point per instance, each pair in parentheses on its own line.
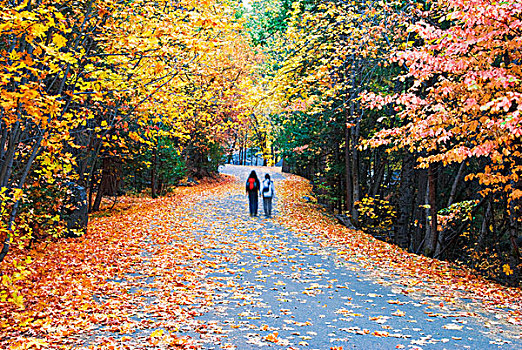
(265,189)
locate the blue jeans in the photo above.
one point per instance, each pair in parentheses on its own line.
(267,205)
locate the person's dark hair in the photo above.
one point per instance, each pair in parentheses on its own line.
(267,176)
(253,175)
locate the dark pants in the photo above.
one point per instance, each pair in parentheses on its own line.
(252,202)
(267,205)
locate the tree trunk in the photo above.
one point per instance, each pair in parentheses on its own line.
(405,203)
(231,152)
(380,167)
(348,204)
(355,172)
(14,210)
(104,186)
(484,229)
(91,188)
(99,196)
(12,146)
(153,173)
(514,228)
(514,254)
(419,213)
(244,152)
(432,237)
(338,179)
(455,184)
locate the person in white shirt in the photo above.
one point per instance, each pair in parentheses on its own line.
(267,192)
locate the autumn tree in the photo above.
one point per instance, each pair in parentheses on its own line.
(463,107)
(333,51)
(433,88)
(89,89)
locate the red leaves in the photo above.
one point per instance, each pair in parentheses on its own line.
(475,87)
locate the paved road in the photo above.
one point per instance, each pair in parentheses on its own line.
(281,290)
(249,283)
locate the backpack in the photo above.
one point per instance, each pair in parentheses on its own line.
(266,186)
(251,184)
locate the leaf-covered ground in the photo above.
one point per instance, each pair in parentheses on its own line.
(196,271)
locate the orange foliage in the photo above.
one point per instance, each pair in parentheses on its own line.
(409,272)
(73,285)
(466,95)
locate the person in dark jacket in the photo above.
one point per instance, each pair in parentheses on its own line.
(252,190)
